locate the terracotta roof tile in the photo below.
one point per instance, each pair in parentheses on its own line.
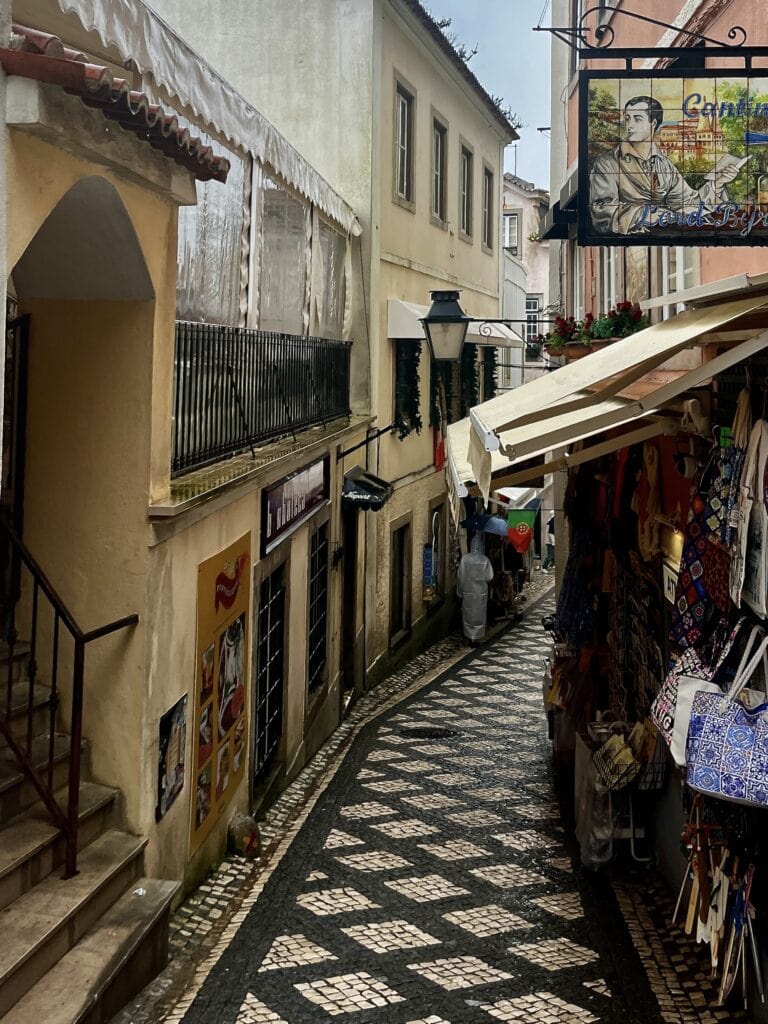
(44,58)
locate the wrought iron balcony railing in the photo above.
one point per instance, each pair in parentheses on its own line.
(235,389)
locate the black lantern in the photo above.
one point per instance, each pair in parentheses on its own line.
(445,325)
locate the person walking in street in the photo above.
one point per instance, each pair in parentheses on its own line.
(475,573)
(549,557)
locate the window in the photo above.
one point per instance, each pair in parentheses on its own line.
(407,393)
(465,192)
(439,146)
(511,223)
(317,643)
(487,207)
(400,582)
(678,271)
(608,283)
(577,280)
(404,144)
(532,310)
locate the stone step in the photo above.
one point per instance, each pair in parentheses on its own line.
(16,791)
(20,706)
(114,960)
(31,846)
(18,661)
(45,923)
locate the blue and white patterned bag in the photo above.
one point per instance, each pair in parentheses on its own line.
(727,748)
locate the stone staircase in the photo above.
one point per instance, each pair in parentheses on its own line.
(75,950)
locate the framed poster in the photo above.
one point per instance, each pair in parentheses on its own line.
(221,683)
(668,157)
(170,769)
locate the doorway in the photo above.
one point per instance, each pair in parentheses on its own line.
(349,598)
(14,445)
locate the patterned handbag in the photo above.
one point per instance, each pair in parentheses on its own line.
(727,751)
(695,662)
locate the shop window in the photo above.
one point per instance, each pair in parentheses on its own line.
(404,104)
(488,207)
(407,391)
(317,643)
(400,582)
(465,192)
(439,148)
(436,540)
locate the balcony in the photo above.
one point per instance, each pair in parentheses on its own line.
(235,389)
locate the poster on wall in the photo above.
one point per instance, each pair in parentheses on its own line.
(173,739)
(673,158)
(221,684)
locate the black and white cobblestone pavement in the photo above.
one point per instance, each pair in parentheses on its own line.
(415,879)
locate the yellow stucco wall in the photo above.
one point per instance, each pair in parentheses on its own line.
(92,423)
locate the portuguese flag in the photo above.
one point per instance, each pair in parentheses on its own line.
(520,528)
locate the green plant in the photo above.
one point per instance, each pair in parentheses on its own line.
(407,393)
(625,319)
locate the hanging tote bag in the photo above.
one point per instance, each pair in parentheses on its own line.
(697,665)
(754,591)
(740,432)
(689,685)
(727,752)
(749,488)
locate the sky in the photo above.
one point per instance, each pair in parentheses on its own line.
(512,61)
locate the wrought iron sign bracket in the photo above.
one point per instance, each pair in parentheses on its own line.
(595,42)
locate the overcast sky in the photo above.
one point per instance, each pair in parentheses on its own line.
(513,62)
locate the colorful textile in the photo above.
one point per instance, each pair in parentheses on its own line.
(692,601)
(520,523)
(727,751)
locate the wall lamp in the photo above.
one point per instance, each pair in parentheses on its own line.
(445,325)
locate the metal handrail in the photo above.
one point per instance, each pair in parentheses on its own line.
(67,820)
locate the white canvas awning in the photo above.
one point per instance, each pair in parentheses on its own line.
(582,399)
(606,372)
(132,31)
(404,323)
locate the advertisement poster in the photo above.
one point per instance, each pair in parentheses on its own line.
(669,158)
(173,739)
(221,683)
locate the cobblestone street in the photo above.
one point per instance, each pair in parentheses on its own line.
(431,882)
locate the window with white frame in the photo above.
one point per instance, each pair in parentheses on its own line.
(511,233)
(678,271)
(488,207)
(577,280)
(403,143)
(608,278)
(439,147)
(532,311)
(465,191)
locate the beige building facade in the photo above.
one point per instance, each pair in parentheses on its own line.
(374,95)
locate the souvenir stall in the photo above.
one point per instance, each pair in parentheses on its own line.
(656,689)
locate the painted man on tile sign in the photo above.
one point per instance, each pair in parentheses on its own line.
(636,187)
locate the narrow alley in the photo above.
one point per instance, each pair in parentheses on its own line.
(430,883)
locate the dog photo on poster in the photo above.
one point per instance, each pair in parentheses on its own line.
(673,159)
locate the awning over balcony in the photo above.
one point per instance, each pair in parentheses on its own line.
(617,389)
(364,490)
(404,324)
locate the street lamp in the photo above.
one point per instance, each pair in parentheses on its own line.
(445,325)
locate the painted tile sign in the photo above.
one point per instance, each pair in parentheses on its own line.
(221,684)
(668,159)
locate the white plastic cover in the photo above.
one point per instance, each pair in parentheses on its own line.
(284,240)
(328,279)
(192,86)
(212,252)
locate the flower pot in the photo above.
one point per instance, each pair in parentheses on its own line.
(575,350)
(596,343)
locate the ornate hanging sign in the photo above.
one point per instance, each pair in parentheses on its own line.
(673,157)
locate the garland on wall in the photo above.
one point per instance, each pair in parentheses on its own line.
(470,379)
(407,392)
(461,383)
(490,374)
